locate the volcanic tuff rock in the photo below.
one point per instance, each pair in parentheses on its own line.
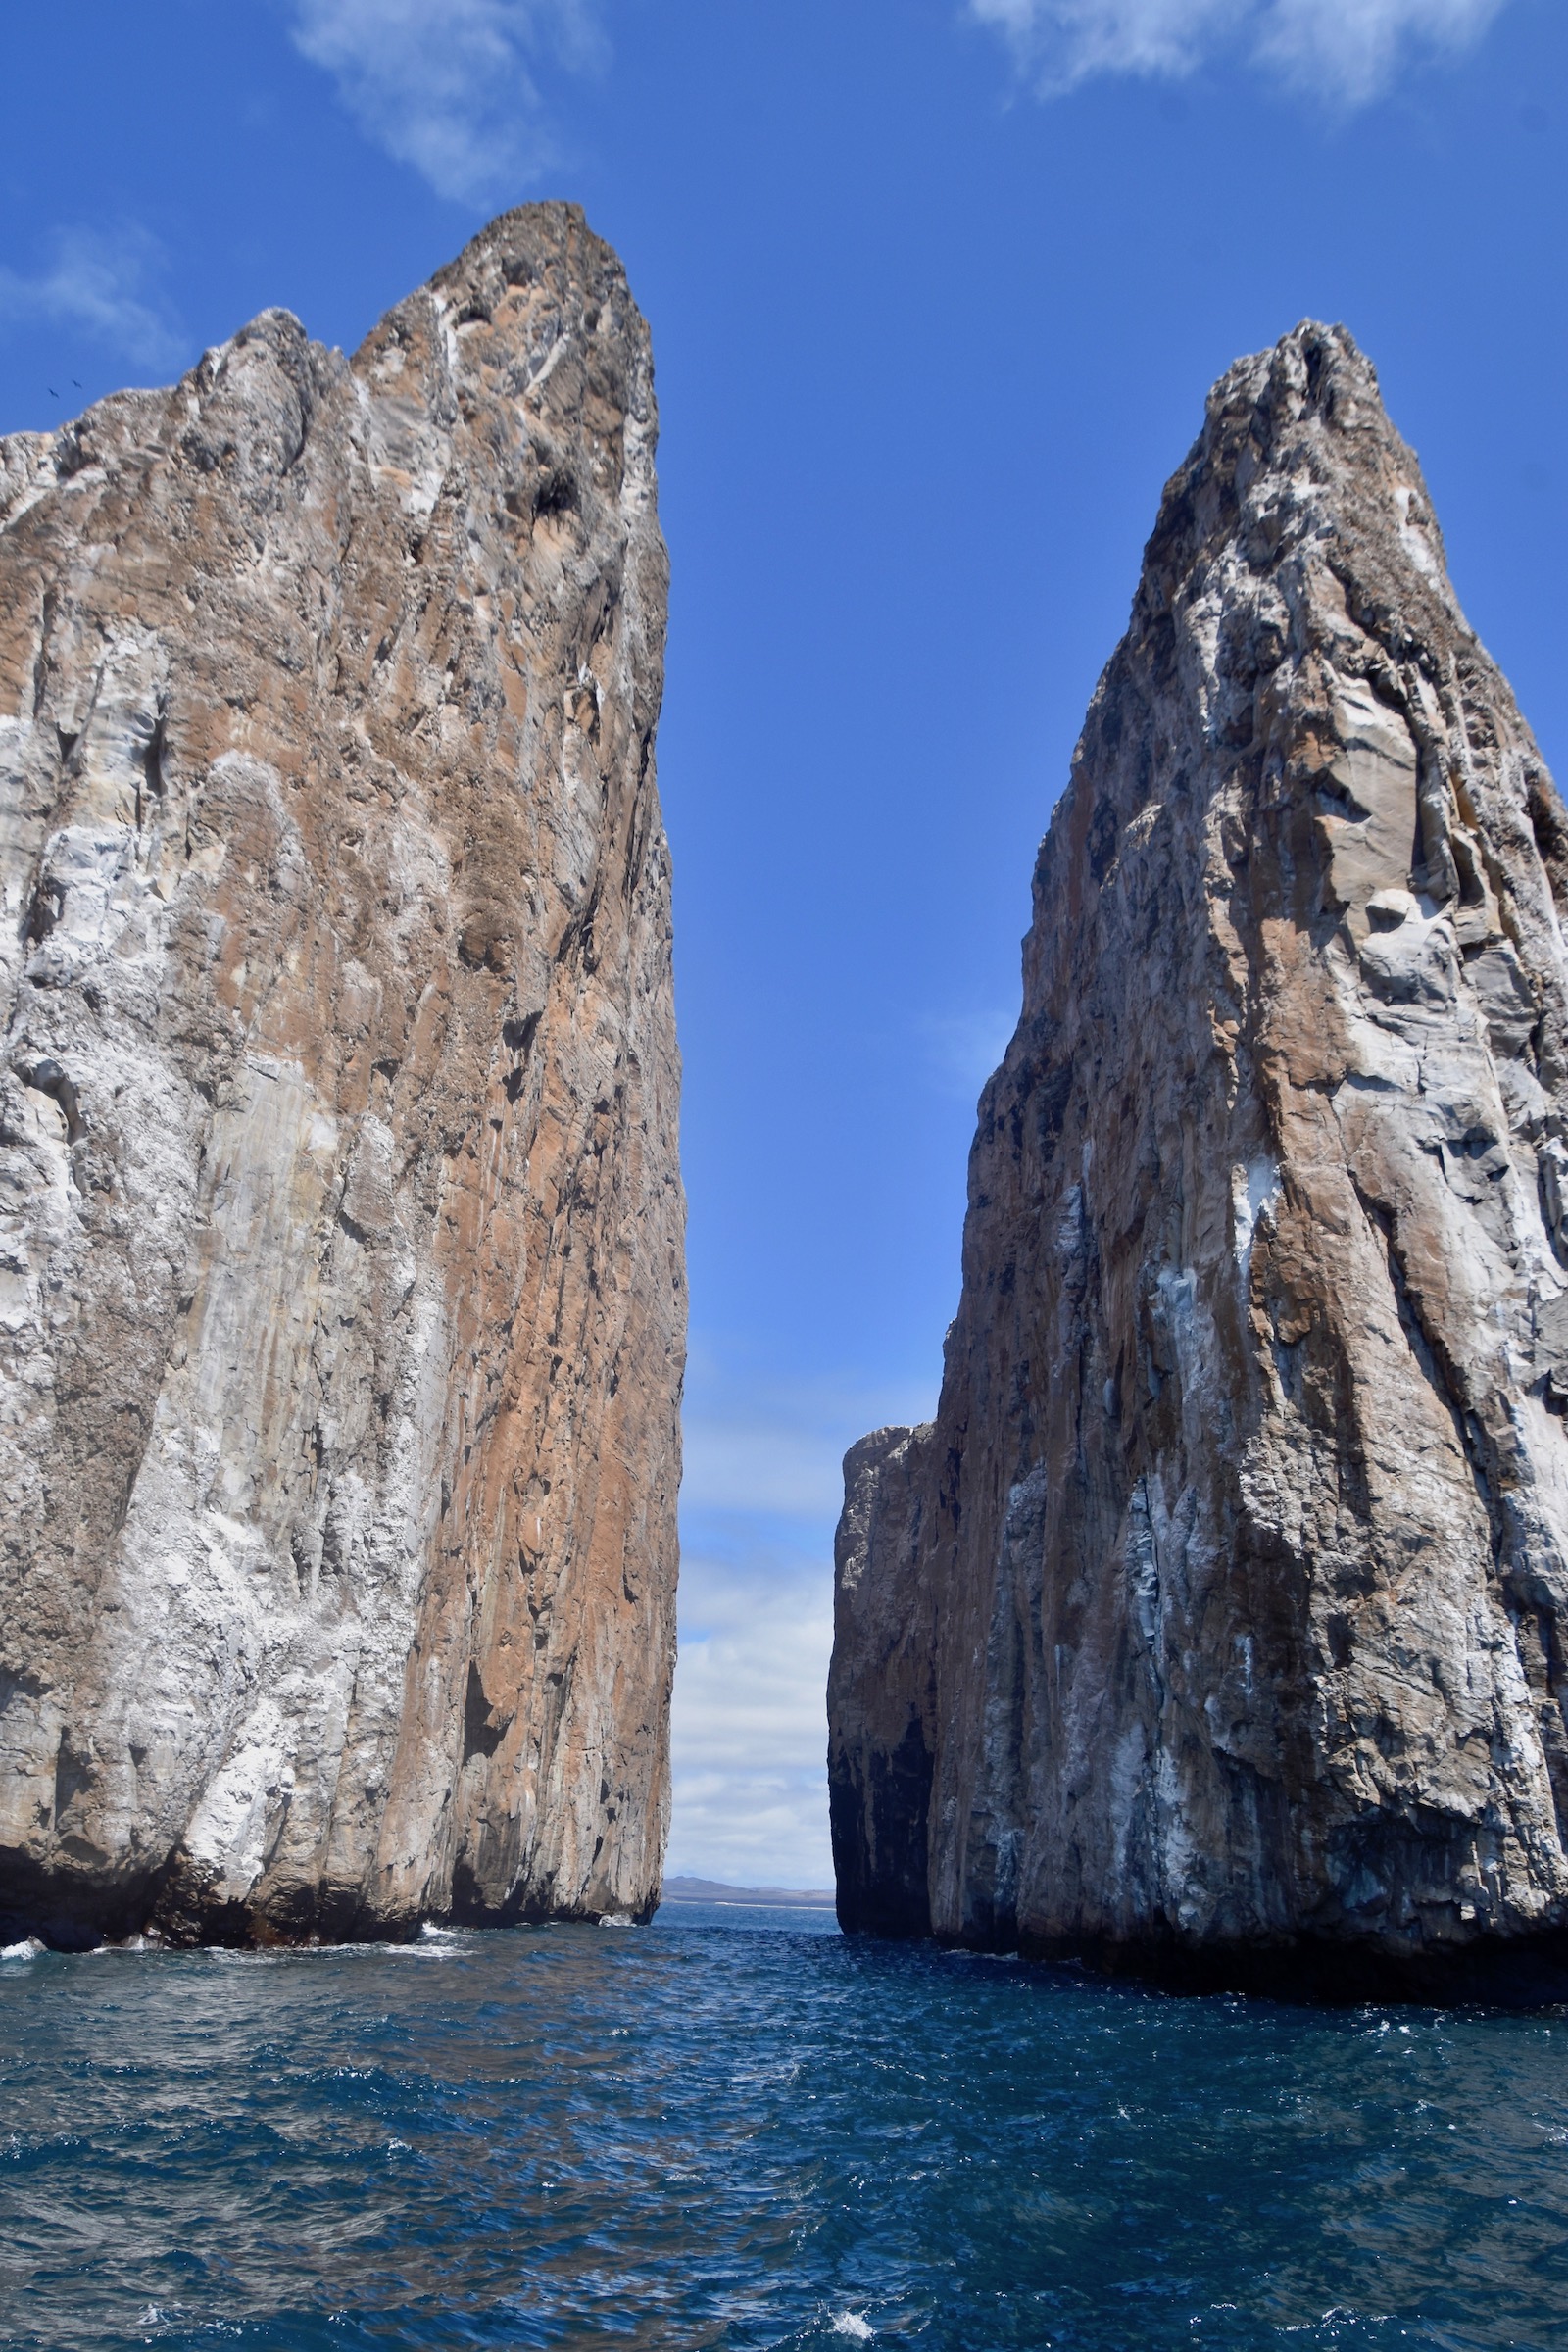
(343,1305)
(1222,1615)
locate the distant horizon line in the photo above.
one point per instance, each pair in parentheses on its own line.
(688,1886)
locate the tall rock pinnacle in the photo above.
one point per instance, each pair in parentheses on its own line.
(1219,1622)
(342,1308)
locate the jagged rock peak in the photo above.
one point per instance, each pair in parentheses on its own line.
(342,1304)
(1219,1622)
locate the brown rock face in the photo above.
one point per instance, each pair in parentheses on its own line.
(342,1307)
(1219,1622)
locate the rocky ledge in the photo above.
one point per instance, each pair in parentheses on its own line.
(1218,1625)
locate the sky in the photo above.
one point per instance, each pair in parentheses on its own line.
(937,288)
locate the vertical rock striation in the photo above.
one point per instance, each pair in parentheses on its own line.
(341,1302)
(1219,1622)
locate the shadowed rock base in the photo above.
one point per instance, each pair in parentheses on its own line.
(184,1908)
(1531,1974)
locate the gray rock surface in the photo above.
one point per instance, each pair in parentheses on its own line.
(1219,1622)
(342,1304)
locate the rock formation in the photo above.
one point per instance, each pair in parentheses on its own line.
(1219,1622)
(342,1318)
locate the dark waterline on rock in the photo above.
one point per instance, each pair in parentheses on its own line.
(737,2129)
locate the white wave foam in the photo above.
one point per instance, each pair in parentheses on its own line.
(28,1950)
(855,2325)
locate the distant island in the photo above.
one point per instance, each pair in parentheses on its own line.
(712,1891)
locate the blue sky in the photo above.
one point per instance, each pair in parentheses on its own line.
(937,290)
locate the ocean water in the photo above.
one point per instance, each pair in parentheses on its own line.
(737,2129)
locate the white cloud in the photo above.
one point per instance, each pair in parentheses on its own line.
(1065,41)
(749,1732)
(1353,48)
(738,1465)
(98,286)
(1349,50)
(762,1493)
(451,87)
(776,1450)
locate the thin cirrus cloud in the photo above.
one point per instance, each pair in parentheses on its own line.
(761,1466)
(1348,51)
(102,289)
(775,1450)
(453,87)
(461,89)
(748,1734)
(762,1489)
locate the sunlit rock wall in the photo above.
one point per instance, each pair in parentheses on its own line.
(1220,1620)
(341,1303)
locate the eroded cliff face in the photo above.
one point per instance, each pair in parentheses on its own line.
(1222,1615)
(342,1304)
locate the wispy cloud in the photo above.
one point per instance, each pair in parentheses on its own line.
(759,1466)
(775,1448)
(763,1490)
(102,287)
(749,1733)
(1354,49)
(1346,50)
(451,86)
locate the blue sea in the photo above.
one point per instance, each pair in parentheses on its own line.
(738,2128)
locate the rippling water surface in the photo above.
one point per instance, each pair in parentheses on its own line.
(737,2129)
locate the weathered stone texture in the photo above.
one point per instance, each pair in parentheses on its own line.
(342,1305)
(1223,1611)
